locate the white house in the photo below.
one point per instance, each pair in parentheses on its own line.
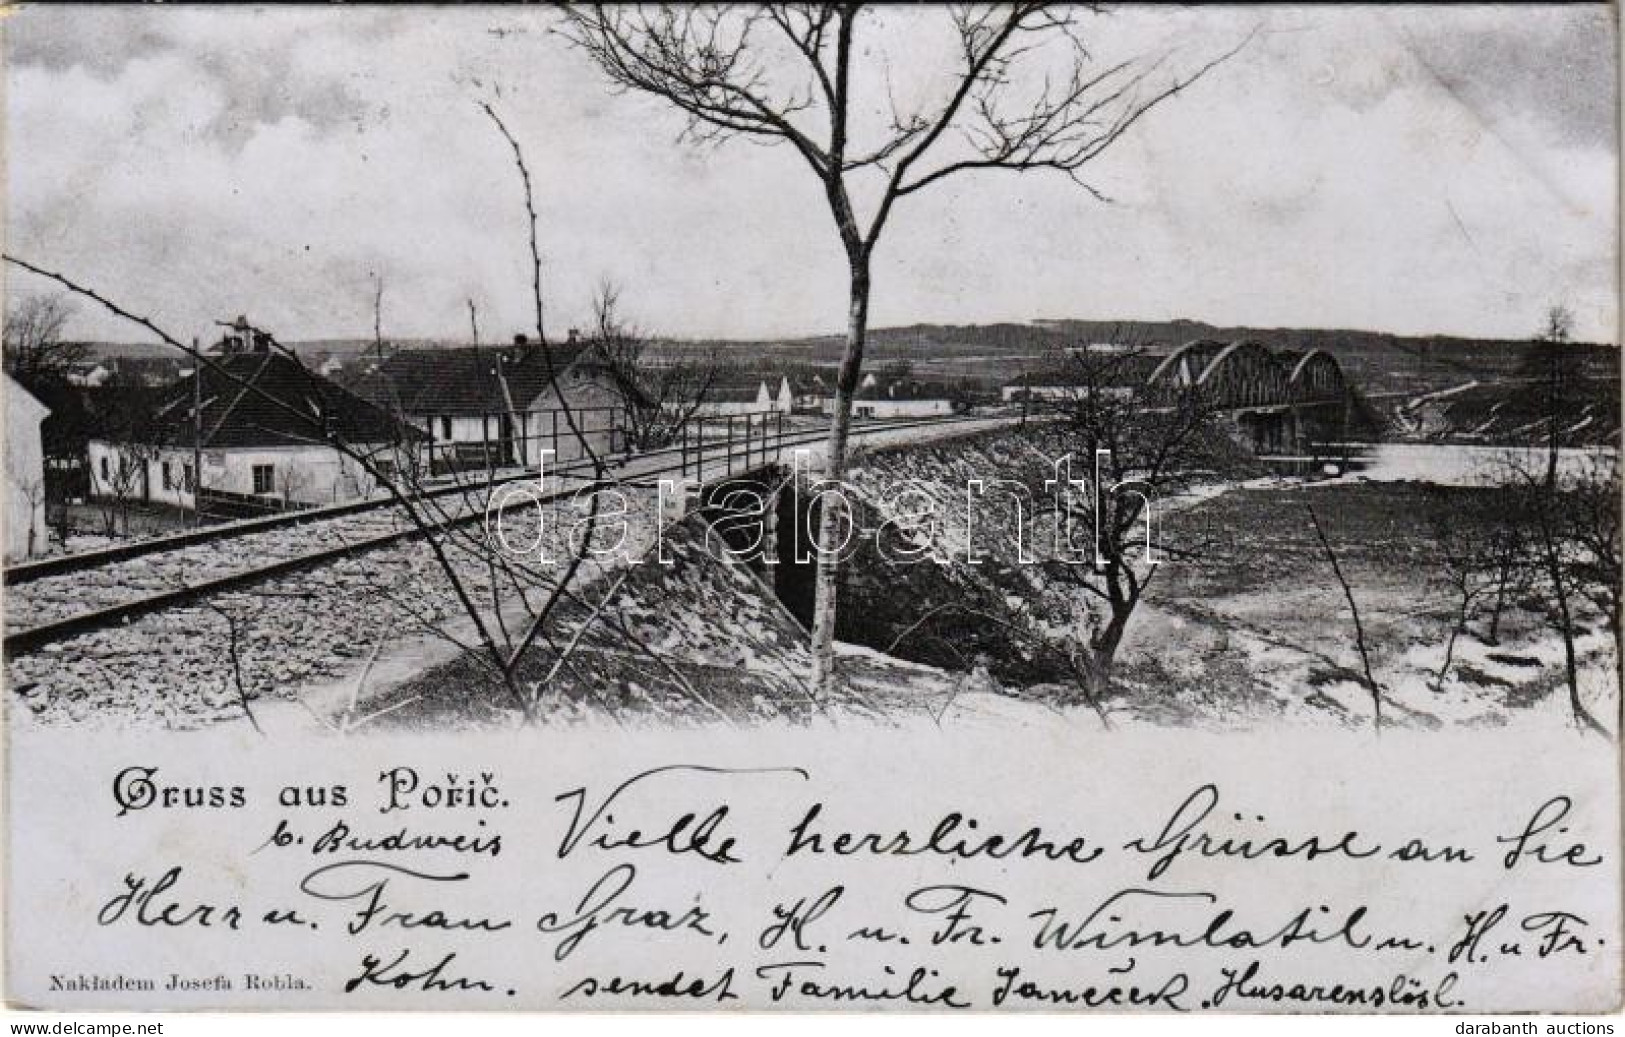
(900,398)
(1058,385)
(89,374)
(1040,387)
(742,392)
(784,401)
(25,473)
(808,391)
(260,425)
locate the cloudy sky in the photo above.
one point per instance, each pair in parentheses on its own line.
(1423,170)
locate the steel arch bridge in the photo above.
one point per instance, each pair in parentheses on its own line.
(1280,400)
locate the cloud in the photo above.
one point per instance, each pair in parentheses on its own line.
(257,66)
(1349,168)
(1556,70)
(57,41)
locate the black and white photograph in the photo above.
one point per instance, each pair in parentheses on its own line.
(1024,507)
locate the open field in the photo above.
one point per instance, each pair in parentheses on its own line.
(1260,625)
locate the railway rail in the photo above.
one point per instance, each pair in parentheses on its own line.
(55,599)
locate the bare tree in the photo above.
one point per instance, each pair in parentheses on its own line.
(658,394)
(1468,544)
(378,319)
(124,416)
(1566,523)
(793,74)
(291,483)
(1558,369)
(1142,445)
(1130,450)
(1354,612)
(31,488)
(1555,560)
(35,351)
(1593,514)
(126,482)
(1509,560)
(1570,523)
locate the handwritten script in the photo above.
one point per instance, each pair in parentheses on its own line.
(689,884)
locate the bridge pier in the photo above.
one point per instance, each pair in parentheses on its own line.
(1270,430)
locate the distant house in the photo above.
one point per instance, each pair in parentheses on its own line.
(25,472)
(808,390)
(1112,377)
(149,370)
(502,406)
(261,424)
(88,374)
(1043,385)
(1111,348)
(896,398)
(784,401)
(745,392)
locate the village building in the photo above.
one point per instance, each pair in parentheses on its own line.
(25,473)
(483,407)
(808,390)
(1059,384)
(151,371)
(259,427)
(88,374)
(1103,367)
(886,398)
(784,400)
(745,392)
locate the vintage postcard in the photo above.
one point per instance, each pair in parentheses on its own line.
(984,508)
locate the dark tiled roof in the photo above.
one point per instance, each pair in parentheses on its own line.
(466,380)
(267,399)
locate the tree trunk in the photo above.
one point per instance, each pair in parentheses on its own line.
(1504,574)
(1450,649)
(827,583)
(1570,670)
(1103,650)
(1560,593)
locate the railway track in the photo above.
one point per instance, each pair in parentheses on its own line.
(47,602)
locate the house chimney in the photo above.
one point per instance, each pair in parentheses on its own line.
(240,337)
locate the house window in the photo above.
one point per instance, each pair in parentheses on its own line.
(186,476)
(106,475)
(445,428)
(169,477)
(264,478)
